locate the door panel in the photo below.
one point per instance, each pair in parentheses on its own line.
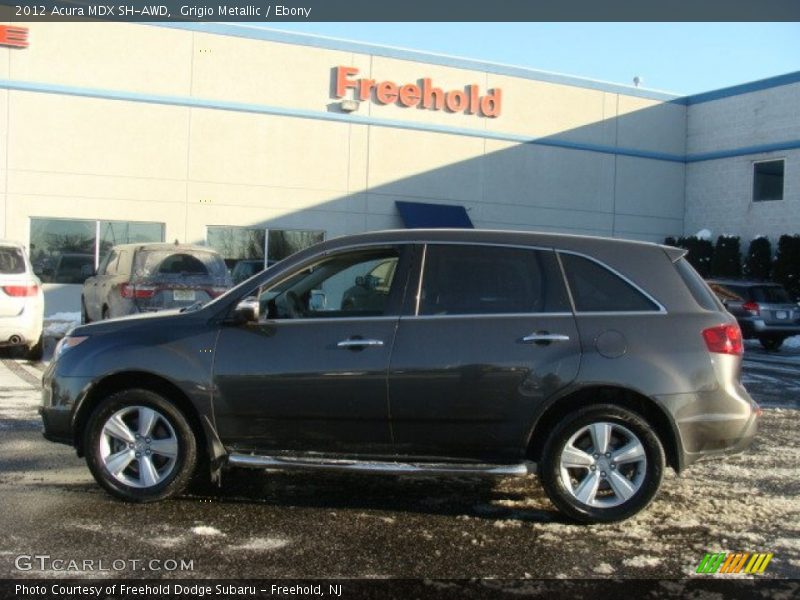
(465,375)
(463,387)
(288,385)
(311,374)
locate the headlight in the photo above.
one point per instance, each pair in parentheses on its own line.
(66,343)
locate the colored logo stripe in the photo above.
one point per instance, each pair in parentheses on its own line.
(733,563)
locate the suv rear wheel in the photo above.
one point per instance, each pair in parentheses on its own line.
(140,447)
(602,464)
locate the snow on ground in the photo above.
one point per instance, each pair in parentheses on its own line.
(792,343)
(57,325)
(205,530)
(261,544)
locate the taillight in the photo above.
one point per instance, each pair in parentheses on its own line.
(217,291)
(752,308)
(724,339)
(127,290)
(21,291)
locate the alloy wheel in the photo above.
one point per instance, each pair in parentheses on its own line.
(138,446)
(603,465)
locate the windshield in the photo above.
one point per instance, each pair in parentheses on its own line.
(158,264)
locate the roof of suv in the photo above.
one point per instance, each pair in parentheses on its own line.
(488,236)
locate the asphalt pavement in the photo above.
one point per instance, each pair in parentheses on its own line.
(299,525)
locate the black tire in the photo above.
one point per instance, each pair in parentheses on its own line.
(84,314)
(646,475)
(175,478)
(772,343)
(35,352)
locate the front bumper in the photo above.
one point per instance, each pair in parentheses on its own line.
(61,397)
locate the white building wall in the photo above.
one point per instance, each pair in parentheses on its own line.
(71,156)
(719,192)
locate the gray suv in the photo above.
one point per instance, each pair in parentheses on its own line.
(764,310)
(595,362)
(134,278)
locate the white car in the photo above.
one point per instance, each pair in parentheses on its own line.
(21,301)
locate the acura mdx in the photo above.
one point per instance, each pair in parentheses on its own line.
(597,363)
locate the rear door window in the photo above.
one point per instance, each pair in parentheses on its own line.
(463,279)
(596,288)
(11,261)
(771,294)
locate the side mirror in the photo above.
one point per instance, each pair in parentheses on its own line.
(246,311)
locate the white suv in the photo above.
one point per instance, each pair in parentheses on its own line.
(21,301)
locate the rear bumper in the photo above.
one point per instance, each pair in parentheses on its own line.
(757,327)
(27,327)
(712,423)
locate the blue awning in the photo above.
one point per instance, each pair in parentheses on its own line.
(420,215)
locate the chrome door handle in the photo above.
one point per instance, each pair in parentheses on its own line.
(537,337)
(357,343)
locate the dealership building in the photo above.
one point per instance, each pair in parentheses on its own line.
(258,142)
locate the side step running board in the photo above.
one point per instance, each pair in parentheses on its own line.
(389,468)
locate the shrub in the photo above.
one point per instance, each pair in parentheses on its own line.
(758,263)
(786,269)
(727,259)
(700,252)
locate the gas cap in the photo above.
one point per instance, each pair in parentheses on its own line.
(611,344)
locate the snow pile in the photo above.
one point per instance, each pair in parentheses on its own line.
(262,544)
(58,324)
(792,342)
(206,530)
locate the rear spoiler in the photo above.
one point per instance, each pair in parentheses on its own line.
(675,254)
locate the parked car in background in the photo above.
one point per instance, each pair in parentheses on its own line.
(135,278)
(764,310)
(68,267)
(595,362)
(21,302)
(246,268)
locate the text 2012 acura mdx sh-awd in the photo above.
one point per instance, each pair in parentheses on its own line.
(596,362)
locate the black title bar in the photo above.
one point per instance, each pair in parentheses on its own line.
(400,10)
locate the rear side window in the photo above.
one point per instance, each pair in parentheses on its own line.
(699,290)
(460,280)
(596,289)
(11,260)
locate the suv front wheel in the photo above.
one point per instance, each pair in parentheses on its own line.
(140,447)
(602,464)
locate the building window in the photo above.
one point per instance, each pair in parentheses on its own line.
(69,250)
(768,180)
(258,247)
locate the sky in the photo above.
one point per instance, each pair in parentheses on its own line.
(684,58)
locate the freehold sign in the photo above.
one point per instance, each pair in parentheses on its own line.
(423,94)
(13,37)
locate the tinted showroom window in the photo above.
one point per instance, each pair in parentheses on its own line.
(596,289)
(67,250)
(768,180)
(461,280)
